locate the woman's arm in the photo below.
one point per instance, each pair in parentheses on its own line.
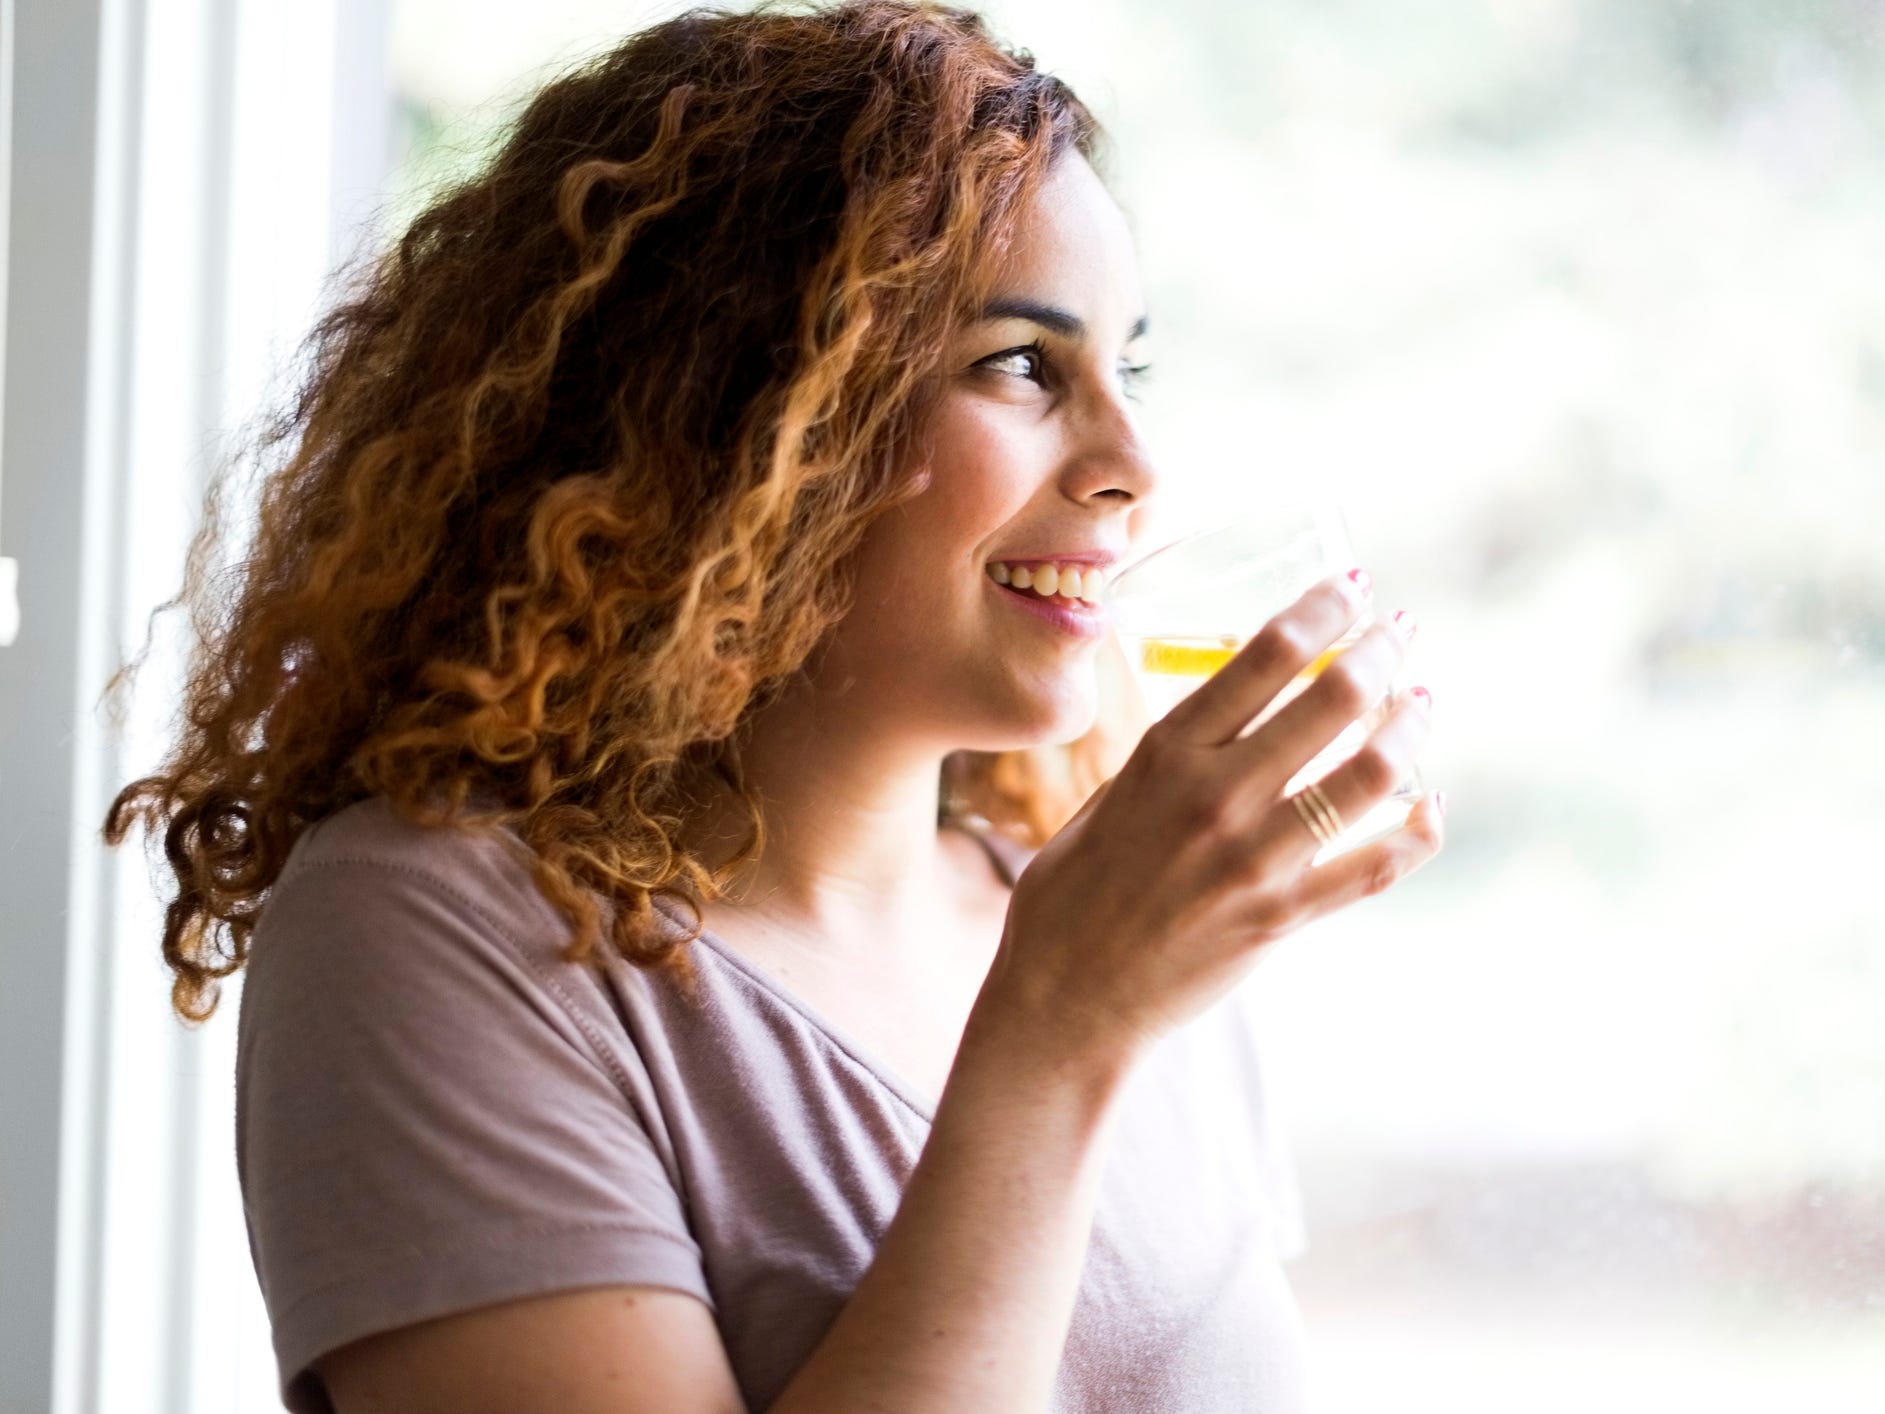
(1142,911)
(964,1308)
(603,1350)
(966,1304)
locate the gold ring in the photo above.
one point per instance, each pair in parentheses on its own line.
(1316,812)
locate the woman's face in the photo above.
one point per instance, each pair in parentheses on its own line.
(1033,454)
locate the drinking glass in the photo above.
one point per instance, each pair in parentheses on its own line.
(1183,610)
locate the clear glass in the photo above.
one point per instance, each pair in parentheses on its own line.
(1185,609)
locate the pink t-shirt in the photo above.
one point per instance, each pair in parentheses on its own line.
(434,1112)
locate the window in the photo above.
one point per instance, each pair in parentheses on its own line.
(1578,304)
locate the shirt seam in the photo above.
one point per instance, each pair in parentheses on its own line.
(816,1025)
(599,1053)
(510,1234)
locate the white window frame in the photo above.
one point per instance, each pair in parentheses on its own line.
(183,176)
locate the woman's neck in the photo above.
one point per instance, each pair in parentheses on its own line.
(850,806)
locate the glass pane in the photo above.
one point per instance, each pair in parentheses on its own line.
(1580,304)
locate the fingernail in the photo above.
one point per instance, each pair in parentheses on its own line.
(1439,799)
(1406,623)
(1426,697)
(1360,579)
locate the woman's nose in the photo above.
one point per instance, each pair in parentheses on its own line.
(1113,456)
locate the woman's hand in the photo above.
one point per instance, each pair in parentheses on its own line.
(1156,898)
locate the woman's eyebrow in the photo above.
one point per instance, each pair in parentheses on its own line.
(1068,326)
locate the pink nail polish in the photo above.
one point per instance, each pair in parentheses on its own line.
(1426,697)
(1361,579)
(1439,799)
(1406,623)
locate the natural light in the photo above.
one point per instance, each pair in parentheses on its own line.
(1578,308)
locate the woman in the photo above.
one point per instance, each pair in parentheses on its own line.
(624,724)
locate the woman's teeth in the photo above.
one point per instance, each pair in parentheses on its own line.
(1048,581)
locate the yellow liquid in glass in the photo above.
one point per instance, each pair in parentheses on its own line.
(1200,657)
(1168,669)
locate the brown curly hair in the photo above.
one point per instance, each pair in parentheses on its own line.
(573,474)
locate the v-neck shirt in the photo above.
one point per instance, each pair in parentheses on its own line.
(436,1112)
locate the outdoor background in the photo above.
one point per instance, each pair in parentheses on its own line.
(1579,306)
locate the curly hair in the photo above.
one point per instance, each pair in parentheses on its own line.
(571,477)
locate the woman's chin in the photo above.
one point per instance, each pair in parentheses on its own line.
(1057,713)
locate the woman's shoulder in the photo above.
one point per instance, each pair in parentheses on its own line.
(418,915)
(374,831)
(433,1111)
(370,851)
(398,925)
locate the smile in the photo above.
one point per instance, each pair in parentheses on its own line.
(1072,616)
(1048,579)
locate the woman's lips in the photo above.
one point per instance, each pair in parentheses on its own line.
(1076,617)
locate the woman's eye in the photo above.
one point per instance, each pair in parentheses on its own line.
(1028,361)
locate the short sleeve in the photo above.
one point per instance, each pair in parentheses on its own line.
(424,1125)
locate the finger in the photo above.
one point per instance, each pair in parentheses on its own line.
(1372,869)
(1224,704)
(1346,691)
(1350,790)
